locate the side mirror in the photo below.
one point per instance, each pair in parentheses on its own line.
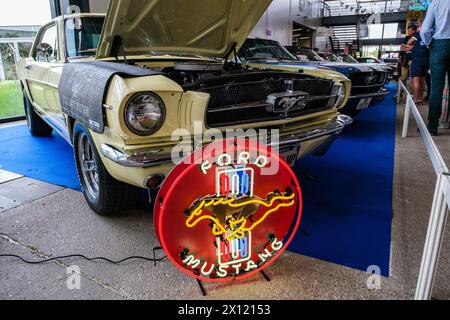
(44,52)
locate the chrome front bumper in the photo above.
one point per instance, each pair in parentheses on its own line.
(333,128)
(380,93)
(152,158)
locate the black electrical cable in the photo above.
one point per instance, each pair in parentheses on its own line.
(82,257)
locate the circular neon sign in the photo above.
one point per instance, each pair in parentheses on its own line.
(225,214)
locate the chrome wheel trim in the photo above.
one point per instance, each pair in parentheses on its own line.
(88,166)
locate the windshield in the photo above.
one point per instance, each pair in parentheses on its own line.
(259,49)
(369,60)
(348,59)
(305,54)
(331,57)
(83,36)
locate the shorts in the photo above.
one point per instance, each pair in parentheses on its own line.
(419,69)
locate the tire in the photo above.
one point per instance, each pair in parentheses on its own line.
(36,126)
(105,195)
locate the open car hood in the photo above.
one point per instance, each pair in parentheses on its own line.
(185,27)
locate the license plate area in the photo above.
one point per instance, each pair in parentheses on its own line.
(290,154)
(364,104)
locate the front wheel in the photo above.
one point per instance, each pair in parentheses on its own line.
(36,126)
(104,194)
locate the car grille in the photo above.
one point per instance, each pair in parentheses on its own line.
(367,82)
(243,103)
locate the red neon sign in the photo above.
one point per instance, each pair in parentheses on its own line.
(220,218)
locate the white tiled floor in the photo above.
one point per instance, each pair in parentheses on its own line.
(6,176)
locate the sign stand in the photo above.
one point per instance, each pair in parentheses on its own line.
(199,282)
(265,276)
(205,293)
(202,288)
(155,249)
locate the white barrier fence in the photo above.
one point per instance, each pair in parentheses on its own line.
(441,201)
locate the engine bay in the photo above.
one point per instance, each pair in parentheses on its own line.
(192,75)
(189,73)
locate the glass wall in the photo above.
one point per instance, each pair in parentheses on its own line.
(356,7)
(383,52)
(383,31)
(15,43)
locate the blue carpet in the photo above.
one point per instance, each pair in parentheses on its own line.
(46,159)
(348,194)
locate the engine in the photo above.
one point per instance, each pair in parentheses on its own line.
(188,73)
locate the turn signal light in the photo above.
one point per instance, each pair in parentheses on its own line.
(154,181)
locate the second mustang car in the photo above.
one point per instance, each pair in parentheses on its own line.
(367,83)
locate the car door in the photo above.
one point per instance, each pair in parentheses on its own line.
(58,118)
(44,54)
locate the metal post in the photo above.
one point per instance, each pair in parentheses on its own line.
(2,71)
(16,52)
(407,114)
(399,90)
(433,243)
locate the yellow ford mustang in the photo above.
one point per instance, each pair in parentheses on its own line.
(117,86)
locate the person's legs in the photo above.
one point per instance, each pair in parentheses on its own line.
(440,64)
(417,79)
(416,88)
(405,74)
(428,83)
(421,91)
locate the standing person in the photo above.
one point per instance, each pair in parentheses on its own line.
(405,57)
(436,34)
(419,66)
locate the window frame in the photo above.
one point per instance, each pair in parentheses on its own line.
(64,35)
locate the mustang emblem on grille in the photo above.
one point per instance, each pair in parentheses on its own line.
(287,101)
(371,79)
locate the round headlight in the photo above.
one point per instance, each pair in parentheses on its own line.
(145,113)
(341,93)
(337,96)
